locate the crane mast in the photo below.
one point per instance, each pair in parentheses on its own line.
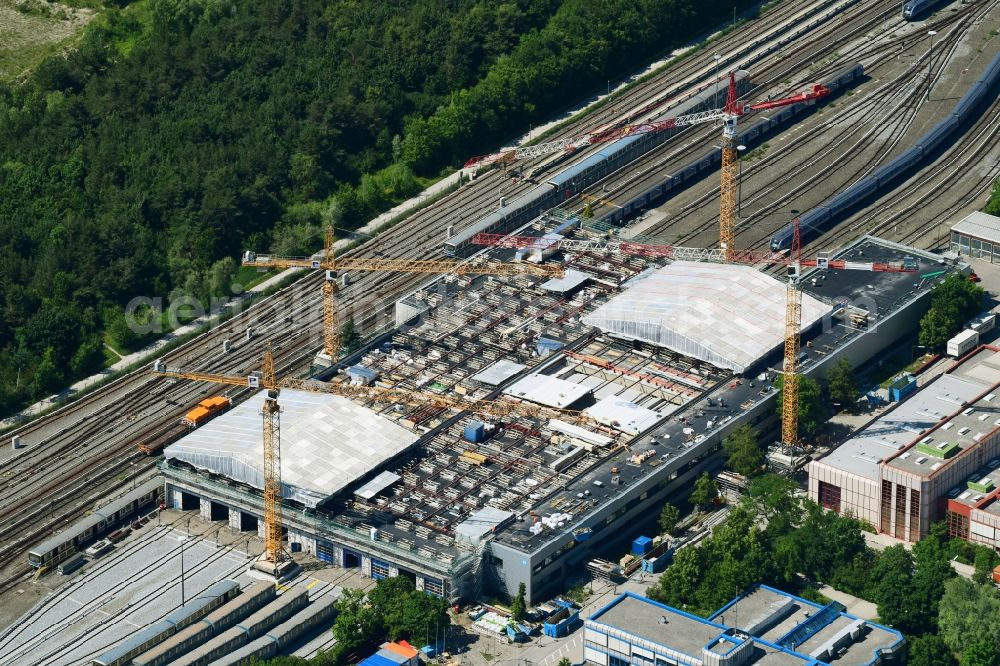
(793,325)
(331,336)
(271,414)
(727,191)
(274,559)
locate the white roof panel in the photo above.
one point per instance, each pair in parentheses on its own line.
(480,523)
(499,372)
(730,316)
(327,442)
(623,415)
(981,225)
(570,281)
(547,390)
(377,485)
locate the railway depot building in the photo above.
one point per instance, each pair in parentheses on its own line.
(930,457)
(466,507)
(764,627)
(977,235)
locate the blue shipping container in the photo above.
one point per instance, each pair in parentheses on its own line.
(475,431)
(642,545)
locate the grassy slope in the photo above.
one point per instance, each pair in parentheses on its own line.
(30,30)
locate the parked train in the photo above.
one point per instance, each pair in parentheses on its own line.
(75,538)
(574,179)
(817,220)
(916,8)
(216,622)
(123,653)
(709,161)
(278,639)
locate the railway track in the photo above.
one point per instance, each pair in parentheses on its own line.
(94,437)
(846,124)
(775,77)
(790,175)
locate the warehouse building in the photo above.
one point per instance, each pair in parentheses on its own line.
(464,507)
(927,455)
(764,627)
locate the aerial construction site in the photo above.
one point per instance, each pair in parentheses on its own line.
(549,352)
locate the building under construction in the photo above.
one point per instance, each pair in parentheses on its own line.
(657,360)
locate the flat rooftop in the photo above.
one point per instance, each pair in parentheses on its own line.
(644,618)
(880,293)
(969,421)
(798,631)
(897,428)
(979,485)
(790,616)
(980,225)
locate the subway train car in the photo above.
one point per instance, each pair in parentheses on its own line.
(814,222)
(575,178)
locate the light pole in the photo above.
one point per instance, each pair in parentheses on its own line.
(740,149)
(717,58)
(930,58)
(187,528)
(183,541)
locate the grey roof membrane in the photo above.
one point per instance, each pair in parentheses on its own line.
(730,316)
(327,442)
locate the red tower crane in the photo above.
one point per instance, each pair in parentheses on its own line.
(728,114)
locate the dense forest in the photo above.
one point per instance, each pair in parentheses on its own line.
(179,132)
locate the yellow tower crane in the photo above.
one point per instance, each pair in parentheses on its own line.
(273,557)
(330,263)
(725,254)
(793,326)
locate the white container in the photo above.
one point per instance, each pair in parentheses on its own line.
(984,322)
(963,343)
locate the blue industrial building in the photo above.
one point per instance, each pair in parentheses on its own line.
(763,627)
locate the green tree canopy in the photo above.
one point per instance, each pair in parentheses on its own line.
(772,498)
(669,515)
(932,567)
(993,206)
(350,338)
(744,453)
(705,491)
(811,410)
(392,610)
(799,538)
(842,385)
(981,653)
(953,302)
(969,614)
(893,573)
(985,560)
(518,607)
(929,650)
